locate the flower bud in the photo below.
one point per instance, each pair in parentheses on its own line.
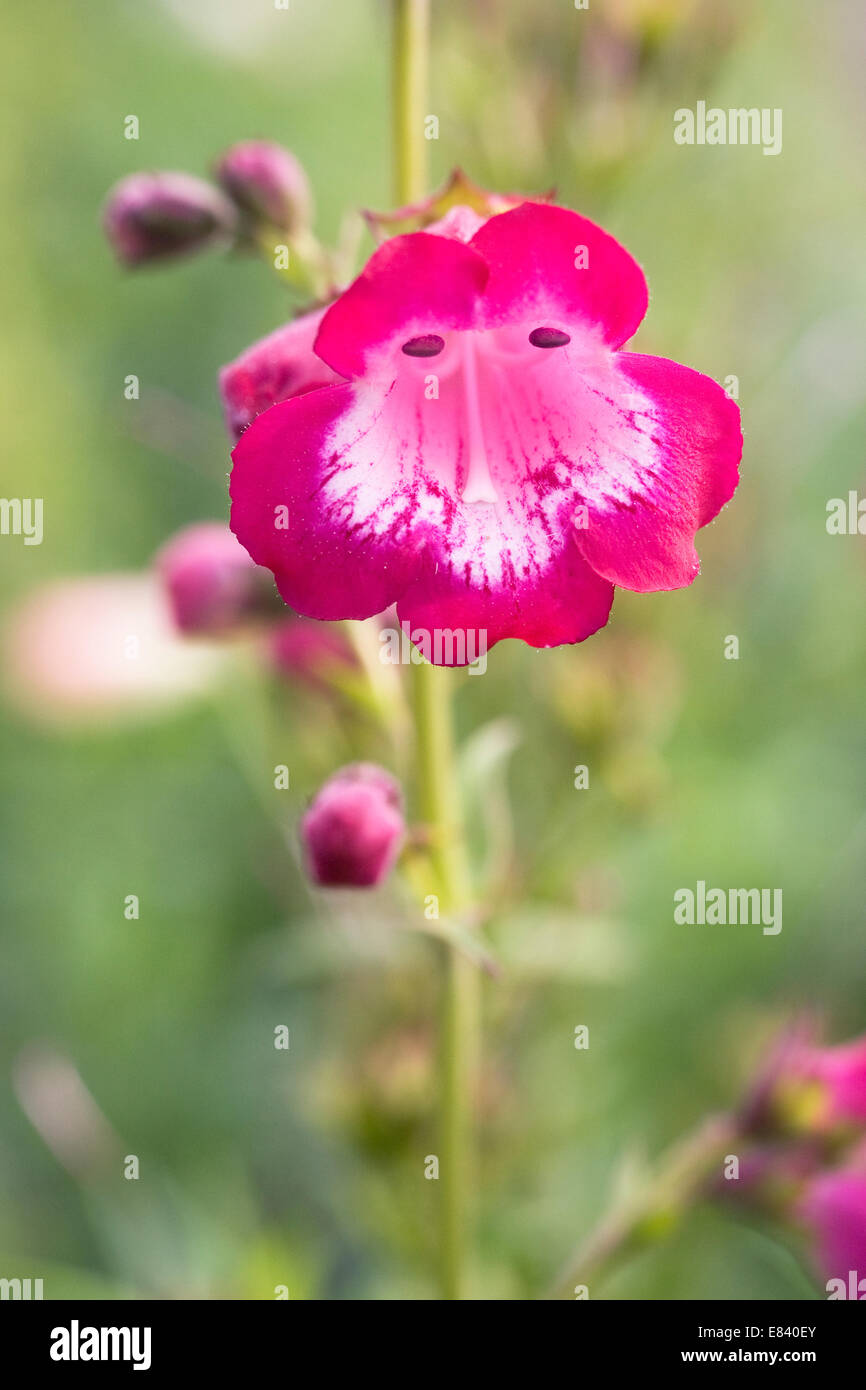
(268,184)
(354,828)
(213,586)
(155,216)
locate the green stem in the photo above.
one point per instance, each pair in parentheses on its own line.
(439,805)
(410,62)
(437,781)
(438,793)
(309,270)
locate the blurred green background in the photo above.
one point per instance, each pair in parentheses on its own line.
(305,1168)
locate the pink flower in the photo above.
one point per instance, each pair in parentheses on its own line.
(268,183)
(275,369)
(99,649)
(840,1073)
(493,463)
(155,216)
(213,586)
(834,1207)
(354,827)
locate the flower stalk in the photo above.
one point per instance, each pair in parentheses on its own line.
(439,805)
(410,63)
(436,774)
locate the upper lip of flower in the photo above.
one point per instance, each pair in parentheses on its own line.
(456,482)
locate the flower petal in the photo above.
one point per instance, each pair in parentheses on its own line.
(834,1205)
(662,462)
(453,619)
(292,507)
(535,253)
(413,285)
(276,368)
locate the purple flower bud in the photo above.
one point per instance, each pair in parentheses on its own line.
(213,586)
(268,183)
(354,828)
(152,217)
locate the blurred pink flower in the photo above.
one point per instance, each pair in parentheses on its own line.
(494,463)
(102,648)
(354,828)
(840,1072)
(213,586)
(834,1209)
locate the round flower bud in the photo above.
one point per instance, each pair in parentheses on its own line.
(353,830)
(155,216)
(268,184)
(213,586)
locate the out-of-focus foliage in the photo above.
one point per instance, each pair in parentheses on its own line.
(304,1168)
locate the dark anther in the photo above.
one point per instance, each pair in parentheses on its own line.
(547,338)
(428,345)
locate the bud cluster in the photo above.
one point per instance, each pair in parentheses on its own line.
(261,189)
